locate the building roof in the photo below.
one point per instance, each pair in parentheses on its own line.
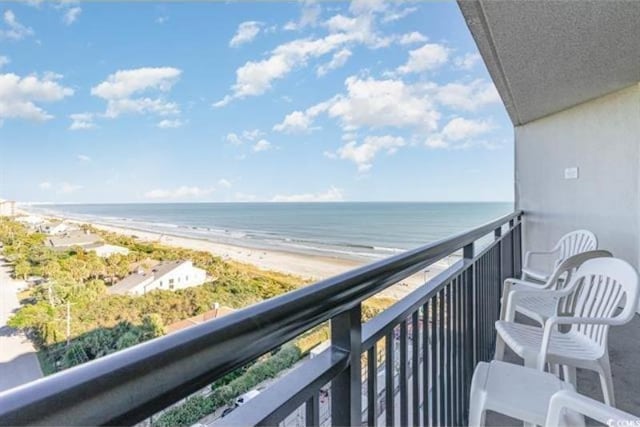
(72,238)
(546,56)
(139,277)
(200,318)
(130,282)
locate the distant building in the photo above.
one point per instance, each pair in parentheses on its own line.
(105,250)
(168,275)
(7,208)
(72,238)
(56,227)
(200,318)
(31,220)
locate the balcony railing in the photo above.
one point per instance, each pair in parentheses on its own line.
(438,333)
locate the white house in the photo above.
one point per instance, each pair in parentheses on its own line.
(105,250)
(7,208)
(56,227)
(31,220)
(168,275)
(72,238)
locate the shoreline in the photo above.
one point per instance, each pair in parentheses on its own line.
(307,266)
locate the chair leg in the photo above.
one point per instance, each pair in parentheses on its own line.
(606,381)
(499,354)
(477,410)
(478,395)
(570,375)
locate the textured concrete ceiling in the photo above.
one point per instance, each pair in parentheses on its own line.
(545,56)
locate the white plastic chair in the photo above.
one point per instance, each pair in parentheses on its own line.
(570,244)
(535,397)
(565,400)
(515,391)
(538,307)
(596,291)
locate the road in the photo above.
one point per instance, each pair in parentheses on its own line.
(18,361)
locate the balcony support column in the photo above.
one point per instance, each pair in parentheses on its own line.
(346,388)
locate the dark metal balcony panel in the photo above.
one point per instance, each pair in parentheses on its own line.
(272,406)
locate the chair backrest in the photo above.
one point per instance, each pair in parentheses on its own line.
(574,243)
(565,403)
(601,285)
(562,274)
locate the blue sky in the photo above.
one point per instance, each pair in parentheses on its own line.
(298,101)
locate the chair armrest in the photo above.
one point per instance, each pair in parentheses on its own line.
(593,409)
(508,287)
(554,321)
(529,254)
(515,295)
(529,273)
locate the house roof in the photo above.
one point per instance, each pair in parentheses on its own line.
(200,318)
(130,282)
(72,238)
(137,278)
(545,56)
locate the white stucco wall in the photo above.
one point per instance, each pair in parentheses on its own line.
(184,276)
(600,137)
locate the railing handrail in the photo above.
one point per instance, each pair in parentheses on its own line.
(130,385)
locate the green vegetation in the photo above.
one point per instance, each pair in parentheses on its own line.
(197,407)
(100,323)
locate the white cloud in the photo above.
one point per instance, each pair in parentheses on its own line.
(4,60)
(458,130)
(252,135)
(467,61)
(161,19)
(246,136)
(333,194)
(370,103)
(124,83)
(120,86)
(399,14)
(467,96)
(257,77)
(170,124)
(224,183)
(245,33)
(45,185)
(233,138)
(295,122)
(426,58)
(19,95)
(71,15)
(413,37)
(338,60)
(14,30)
(262,145)
(178,193)
(83,158)
(81,121)
(67,188)
(363,154)
(308,18)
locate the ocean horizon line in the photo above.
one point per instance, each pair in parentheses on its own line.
(266,202)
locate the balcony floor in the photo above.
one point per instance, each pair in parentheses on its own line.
(624,351)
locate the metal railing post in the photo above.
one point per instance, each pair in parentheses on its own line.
(346,388)
(518,250)
(512,233)
(497,233)
(469,356)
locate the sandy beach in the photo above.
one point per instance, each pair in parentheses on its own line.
(312,267)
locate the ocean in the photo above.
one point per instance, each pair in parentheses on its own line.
(361,230)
